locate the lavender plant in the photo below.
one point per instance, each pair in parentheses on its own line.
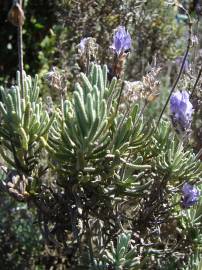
(112,190)
(103,161)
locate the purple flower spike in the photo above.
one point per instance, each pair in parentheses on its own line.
(181,110)
(122,41)
(190,195)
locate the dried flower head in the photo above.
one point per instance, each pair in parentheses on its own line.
(54,79)
(17,186)
(121,41)
(190,195)
(181,111)
(148,89)
(118,65)
(132,91)
(88,47)
(16,15)
(151,85)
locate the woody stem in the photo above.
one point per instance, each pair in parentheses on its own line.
(20,54)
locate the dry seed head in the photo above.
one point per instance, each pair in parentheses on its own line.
(88,47)
(118,65)
(132,90)
(87,50)
(54,79)
(16,15)
(151,85)
(17,188)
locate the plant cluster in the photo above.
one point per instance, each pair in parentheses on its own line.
(108,188)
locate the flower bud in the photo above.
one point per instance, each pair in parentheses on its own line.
(181,112)
(121,46)
(121,41)
(190,195)
(16,15)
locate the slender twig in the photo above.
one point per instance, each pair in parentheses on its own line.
(90,246)
(20,54)
(195,45)
(119,98)
(196,82)
(199,153)
(179,74)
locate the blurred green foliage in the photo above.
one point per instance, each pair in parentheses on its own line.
(39,42)
(21,245)
(53,29)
